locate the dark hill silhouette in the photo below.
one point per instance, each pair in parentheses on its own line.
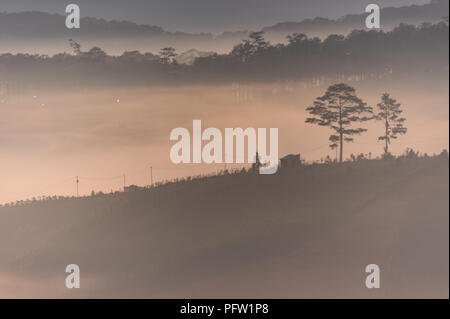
(31,32)
(306,232)
(41,29)
(391,17)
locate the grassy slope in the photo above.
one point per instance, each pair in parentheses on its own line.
(305,233)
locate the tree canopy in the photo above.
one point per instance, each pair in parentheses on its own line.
(339,108)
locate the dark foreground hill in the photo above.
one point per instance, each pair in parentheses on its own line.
(308,232)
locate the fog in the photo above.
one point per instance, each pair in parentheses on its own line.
(306,232)
(84,120)
(49,137)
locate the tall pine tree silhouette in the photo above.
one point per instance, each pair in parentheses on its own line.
(339,108)
(389,113)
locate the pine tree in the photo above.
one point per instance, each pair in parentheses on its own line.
(338,109)
(389,113)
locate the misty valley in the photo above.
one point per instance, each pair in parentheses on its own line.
(273,159)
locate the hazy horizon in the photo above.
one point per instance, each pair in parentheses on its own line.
(207,15)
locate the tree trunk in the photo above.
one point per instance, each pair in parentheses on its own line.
(386,148)
(341,134)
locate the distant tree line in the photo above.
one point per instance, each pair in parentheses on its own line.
(406,48)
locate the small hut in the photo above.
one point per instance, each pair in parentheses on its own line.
(290,161)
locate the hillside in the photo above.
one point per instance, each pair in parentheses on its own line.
(45,33)
(391,17)
(307,232)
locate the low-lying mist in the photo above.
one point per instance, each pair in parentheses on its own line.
(50,137)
